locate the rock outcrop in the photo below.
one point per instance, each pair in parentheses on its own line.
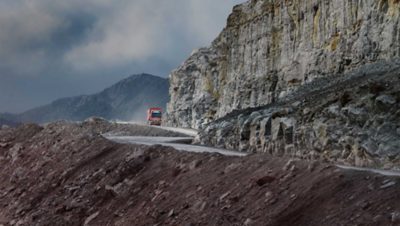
(269,48)
(353,119)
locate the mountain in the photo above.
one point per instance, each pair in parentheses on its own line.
(125,100)
(309,79)
(5,120)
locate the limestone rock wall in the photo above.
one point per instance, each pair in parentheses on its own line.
(354,119)
(270,48)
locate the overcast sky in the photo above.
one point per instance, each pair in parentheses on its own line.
(57,48)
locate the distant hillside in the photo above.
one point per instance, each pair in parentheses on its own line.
(5,119)
(125,100)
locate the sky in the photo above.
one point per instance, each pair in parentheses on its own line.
(56,48)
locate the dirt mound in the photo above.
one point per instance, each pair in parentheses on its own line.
(64,175)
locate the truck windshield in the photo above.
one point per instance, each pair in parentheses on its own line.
(156,114)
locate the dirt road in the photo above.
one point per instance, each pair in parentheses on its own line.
(179,143)
(183,144)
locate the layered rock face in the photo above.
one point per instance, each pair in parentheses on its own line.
(269,48)
(354,119)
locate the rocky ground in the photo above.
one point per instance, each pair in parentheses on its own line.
(67,174)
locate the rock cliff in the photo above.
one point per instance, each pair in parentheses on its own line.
(311,79)
(353,119)
(269,48)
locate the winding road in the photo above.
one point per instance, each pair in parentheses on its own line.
(179,143)
(183,144)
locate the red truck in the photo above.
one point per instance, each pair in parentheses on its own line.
(154,116)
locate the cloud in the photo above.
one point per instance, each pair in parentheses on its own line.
(86,35)
(57,43)
(127,33)
(30,35)
(23,30)
(138,30)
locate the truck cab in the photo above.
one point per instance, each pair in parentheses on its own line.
(154,116)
